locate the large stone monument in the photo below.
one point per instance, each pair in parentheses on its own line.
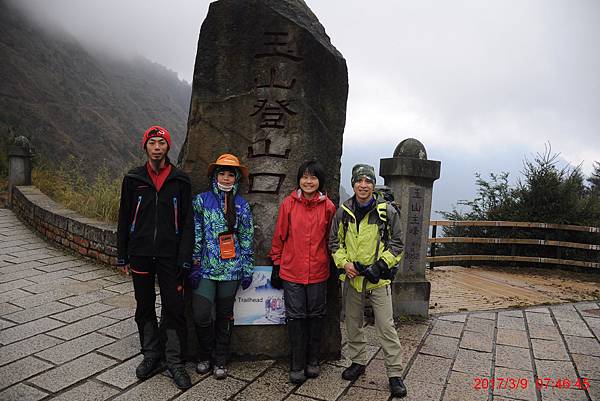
(410,176)
(270,88)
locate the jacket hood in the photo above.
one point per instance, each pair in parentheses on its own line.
(142,174)
(297,196)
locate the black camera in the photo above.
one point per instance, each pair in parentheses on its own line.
(371,272)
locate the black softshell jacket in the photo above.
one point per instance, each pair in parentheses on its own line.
(158,224)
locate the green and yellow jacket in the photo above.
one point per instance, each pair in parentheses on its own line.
(352,242)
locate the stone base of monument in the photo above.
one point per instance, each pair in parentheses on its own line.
(411,298)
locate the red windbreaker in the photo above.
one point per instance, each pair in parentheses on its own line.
(299,244)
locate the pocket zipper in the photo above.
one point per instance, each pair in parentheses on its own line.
(137,209)
(176,215)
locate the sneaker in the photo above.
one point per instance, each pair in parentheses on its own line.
(180,377)
(148,368)
(312,370)
(397,387)
(220,372)
(297,376)
(353,372)
(203,367)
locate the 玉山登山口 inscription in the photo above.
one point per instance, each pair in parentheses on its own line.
(412,246)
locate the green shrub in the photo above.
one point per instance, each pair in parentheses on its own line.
(96,198)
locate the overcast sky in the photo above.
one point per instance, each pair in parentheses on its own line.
(482,84)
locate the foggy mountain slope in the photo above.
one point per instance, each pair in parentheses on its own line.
(71,101)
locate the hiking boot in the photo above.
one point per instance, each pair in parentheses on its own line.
(180,377)
(353,372)
(203,367)
(148,368)
(297,376)
(397,387)
(312,370)
(220,372)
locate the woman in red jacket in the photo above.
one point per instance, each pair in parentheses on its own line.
(301,266)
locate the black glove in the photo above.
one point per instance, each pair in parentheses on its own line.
(275,279)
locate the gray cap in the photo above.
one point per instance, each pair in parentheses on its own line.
(363,170)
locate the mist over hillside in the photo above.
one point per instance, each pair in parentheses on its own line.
(73,101)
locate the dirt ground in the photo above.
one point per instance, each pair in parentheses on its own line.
(455,288)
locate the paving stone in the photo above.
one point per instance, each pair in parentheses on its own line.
(29,346)
(515,338)
(562,394)
(123,349)
(344,361)
(70,373)
(418,391)
(555,369)
(5,324)
(412,331)
(121,329)
(37,312)
(587,366)
(540,319)
(329,385)
(477,341)
(88,391)
(373,377)
(513,357)
(29,329)
(122,288)
(13,285)
(538,309)
(20,370)
(565,312)
(122,375)
(32,301)
(360,394)
(510,322)
(125,301)
(60,259)
(51,285)
(480,325)
(581,345)
(209,389)
(504,390)
(549,349)
(454,318)
(22,392)
(447,328)
(81,327)
(120,313)
(48,278)
(571,328)
(427,369)
(52,267)
(75,348)
(445,347)
(94,274)
(118,278)
(544,332)
(6,308)
(249,370)
(82,312)
(12,296)
(461,388)
(594,390)
(484,315)
(473,362)
(88,298)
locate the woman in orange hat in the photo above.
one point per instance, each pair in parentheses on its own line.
(222,260)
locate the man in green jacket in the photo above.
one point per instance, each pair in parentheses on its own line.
(365,242)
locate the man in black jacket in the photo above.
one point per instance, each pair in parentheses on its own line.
(155,238)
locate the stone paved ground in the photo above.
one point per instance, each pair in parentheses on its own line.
(67,333)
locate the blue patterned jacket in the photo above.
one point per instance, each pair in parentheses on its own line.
(209,222)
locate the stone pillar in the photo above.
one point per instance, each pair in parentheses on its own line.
(410,176)
(19,164)
(270,88)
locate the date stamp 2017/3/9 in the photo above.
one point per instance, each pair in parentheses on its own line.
(514,383)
